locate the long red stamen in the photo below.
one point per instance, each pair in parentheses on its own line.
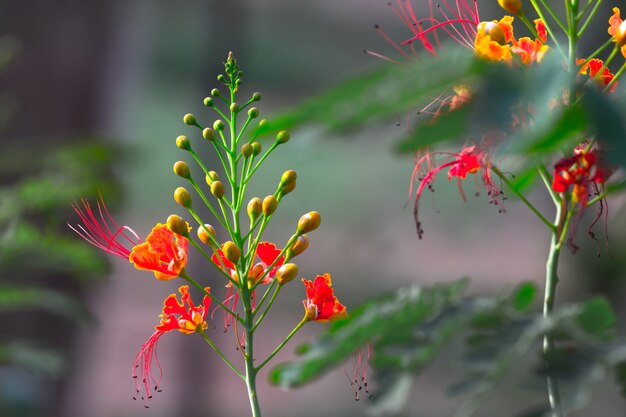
(143,361)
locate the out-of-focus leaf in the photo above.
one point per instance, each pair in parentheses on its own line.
(17,299)
(524,179)
(597,317)
(32,356)
(524,296)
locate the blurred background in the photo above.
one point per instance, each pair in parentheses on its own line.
(92,96)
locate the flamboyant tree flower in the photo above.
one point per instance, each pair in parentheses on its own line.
(183,316)
(321,304)
(530,51)
(471,160)
(493,39)
(617,29)
(597,71)
(163,252)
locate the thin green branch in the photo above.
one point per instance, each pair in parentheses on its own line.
(589,18)
(221,355)
(284,342)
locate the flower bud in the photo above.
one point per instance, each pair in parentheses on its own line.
(263,123)
(269,205)
(238,82)
(286,189)
(182,197)
(231,251)
(493,30)
(282,136)
(221,79)
(256,96)
(177,225)
(208,101)
(253,113)
(208,134)
(246,150)
(182,169)
(190,120)
(218,125)
(214,176)
(288,177)
(309,222)
(207,235)
(511,6)
(215,92)
(256,148)
(234,107)
(286,273)
(254,274)
(217,189)
(182,142)
(300,245)
(255,206)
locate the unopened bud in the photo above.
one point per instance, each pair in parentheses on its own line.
(255,207)
(214,176)
(246,150)
(256,96)
(269,205)
(221,79)
(208,133)
(256,148)
(286,189)
(493,30)
(286,273)
(300,245)
(234,107)
(288,177)
(215,92)
(218,125)
(207,235)
(190,120)
(182,142)
(177,225)
(231,251)
(263,123)
(253,113)
(217,189)
(182,197)
(309,222)
(511,6)
(282,136)
(238,82)
(182,169)
(208,101)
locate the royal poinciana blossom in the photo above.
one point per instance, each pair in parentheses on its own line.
(617,29)
(163,252)
(181,315)
(471,160)
(597,71)
(321,304)
(266,253)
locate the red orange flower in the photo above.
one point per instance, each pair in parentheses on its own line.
(470,160)
(593,68)
(266,254)
(617,29)
(581,171)
(163,252)
(183,316)
(321,303)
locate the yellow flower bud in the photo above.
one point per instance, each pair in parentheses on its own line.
(190,120)
(288,177)
(208,134)
(300,245)
(287,189)
(177,225)
(254,208)
(246,150)
(269,205)
(231,251)
(493,30)
(511,6)
(182,197)
(182,169)
(234,107)
(282,136)
(218,125)
(207,235)
(217,189)
(256,148)
(309,222)
(286,273)
(208,101)
(182,142)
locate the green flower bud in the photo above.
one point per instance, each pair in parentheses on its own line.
(253,113)
(208,134)
(231,251)
(217,189)
(246,150)
(221,79)
(182,197)
(256,96)
(208,101)
(286,273)
(309,222)
(183,143)
(238,82)
(182,169)
(263,123)
(256,148)
(282,137)
(207,235)
(215,92)
(177,225)
(218,125)
(190,120)
(234,107)
(255,206)
(269,205)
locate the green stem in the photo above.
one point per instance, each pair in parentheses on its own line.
(221,355)
(283,343)
(524,199)
(213,298)
(617,75)
(545,176)
(251,371)
(600,49)
(552,14)
(269,305)
(571,7)
(548,26)
(258,164)
(589,18)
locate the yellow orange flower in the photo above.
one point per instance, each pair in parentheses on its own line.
(529,51)
(593,67)
(492,39)
(163,252)
(617,29)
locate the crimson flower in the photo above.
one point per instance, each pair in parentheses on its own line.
(183,316)
(321,303)
(266,253)
(163,252)
(470,160)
